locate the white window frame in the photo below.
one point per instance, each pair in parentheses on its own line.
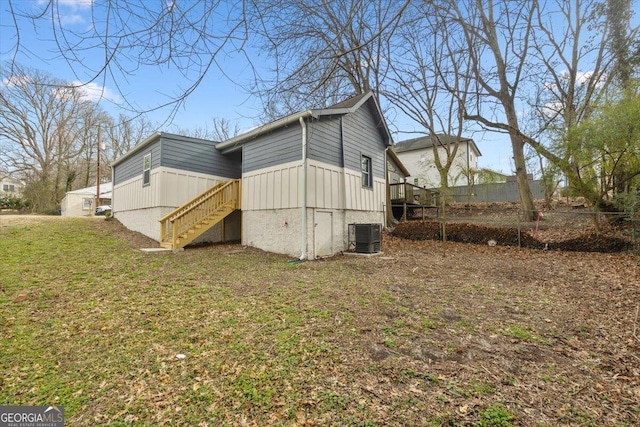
(86,203)
(366,166)
(146,170)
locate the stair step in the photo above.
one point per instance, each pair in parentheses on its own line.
(203,217)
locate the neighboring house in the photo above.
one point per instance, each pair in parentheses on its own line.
(489,176)
(291,186)
(417,156)
(82,202)
(11,187)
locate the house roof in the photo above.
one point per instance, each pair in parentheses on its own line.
(105,190)
(424,142)
(396,161)
(347,106)
(150,140)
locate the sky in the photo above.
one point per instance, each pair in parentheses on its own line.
(220,94)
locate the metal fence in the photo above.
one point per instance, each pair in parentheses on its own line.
(494,192)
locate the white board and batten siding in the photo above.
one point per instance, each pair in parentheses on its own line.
(325,186)
(168,188)
(278,187)
(275,187)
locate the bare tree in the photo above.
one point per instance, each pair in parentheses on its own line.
(134,35)
(38,126)
(335,48)
(224,129)
(497,37)
(576,72)
(583,62)
(221,129)
(123,133)
(429,82)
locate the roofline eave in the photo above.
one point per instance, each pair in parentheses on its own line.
(235,142)
(150,139)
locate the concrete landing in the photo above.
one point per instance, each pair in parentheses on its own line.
(158,250)
(357,254)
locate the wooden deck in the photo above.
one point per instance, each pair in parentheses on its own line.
(406,199)
(404,192)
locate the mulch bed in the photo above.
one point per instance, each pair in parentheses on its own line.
(508,236)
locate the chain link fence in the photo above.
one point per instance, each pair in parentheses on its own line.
(563,224)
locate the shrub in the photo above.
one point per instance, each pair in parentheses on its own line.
(9,201)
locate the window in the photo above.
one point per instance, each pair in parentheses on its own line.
(146,170)
(415,181)
(86,204)
(367,172)
(8,188)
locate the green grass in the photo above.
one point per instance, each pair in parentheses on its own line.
(89,323)
(519,332)
(496,416)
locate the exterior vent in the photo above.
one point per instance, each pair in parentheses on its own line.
(368,238)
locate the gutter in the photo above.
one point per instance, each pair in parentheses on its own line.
(303,208)
(236,141)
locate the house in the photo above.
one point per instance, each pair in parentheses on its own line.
(10,186)
(82,202)
(417,155)
(291,186)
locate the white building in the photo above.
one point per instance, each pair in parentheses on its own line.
(10,186)
(82,202)
(418,157)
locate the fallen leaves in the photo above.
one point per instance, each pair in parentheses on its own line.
(431,333)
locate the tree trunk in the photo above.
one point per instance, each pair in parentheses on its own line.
(526,197)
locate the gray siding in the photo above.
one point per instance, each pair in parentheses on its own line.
(275,148)
(132,166)
(324,141)
(197,155)
(361,137)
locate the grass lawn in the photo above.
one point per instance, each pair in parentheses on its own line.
(429,334)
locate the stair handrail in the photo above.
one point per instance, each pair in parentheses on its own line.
(195,202)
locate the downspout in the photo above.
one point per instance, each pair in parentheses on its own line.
(344,166)
(303,208)
(345,242)
(387,189)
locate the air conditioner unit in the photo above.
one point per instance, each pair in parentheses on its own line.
(368,238)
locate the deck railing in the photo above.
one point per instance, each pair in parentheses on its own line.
(201,208)
(404,192)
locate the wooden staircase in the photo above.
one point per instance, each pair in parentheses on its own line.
(191,220)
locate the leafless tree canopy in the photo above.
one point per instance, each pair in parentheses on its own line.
(49,135)
(188,37)
(529,69)
(323,51)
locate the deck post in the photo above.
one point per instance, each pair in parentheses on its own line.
(174,229)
